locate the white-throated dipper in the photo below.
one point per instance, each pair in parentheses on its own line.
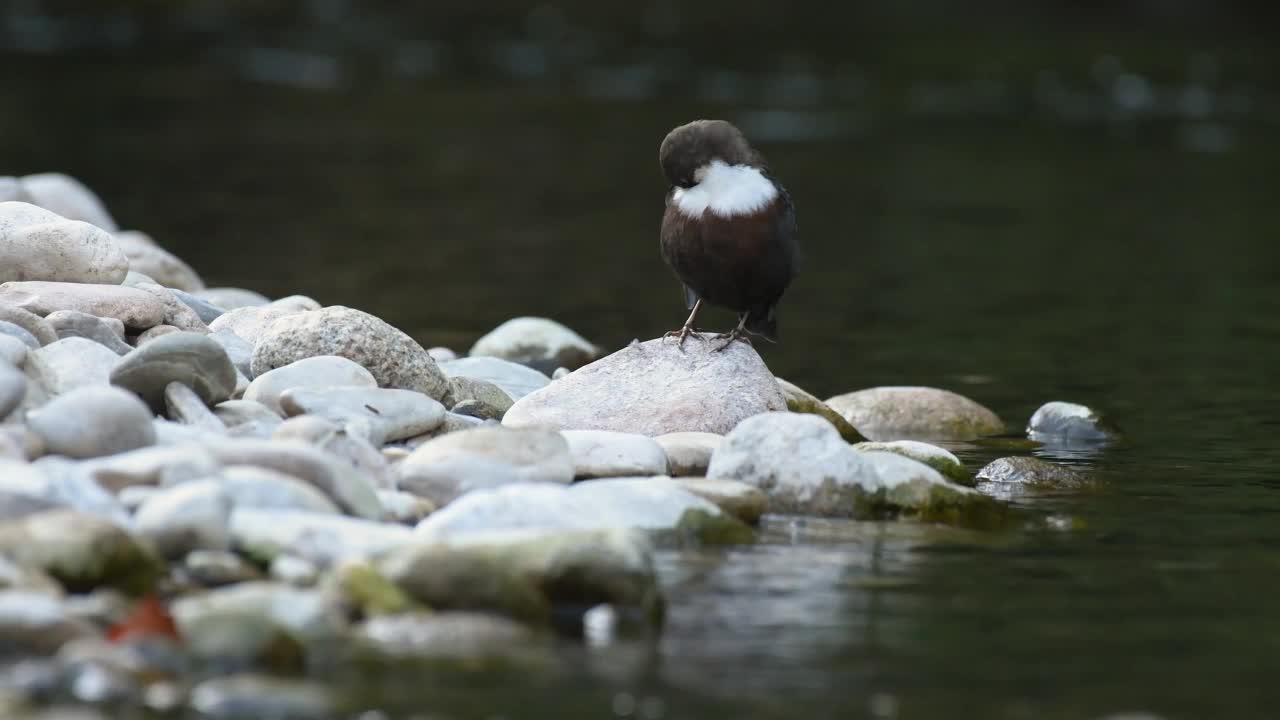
(729,231)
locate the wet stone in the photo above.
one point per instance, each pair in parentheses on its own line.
(1063,423)
(915,413)
(935,457)
(1029,471)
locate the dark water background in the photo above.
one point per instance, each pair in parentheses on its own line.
(1021,203)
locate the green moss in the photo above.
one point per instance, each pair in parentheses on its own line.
(365,589)
(800,401)
(713,529)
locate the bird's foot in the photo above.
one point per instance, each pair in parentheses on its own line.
(736,334)
(681,334)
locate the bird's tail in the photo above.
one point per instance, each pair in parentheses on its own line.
(763,322)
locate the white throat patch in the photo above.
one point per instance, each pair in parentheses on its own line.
(726,190)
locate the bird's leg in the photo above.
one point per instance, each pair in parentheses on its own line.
(738,333)
(687,329)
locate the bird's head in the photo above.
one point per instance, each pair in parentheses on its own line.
(689,150)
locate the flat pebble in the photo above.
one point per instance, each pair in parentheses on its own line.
(602,453)
(388,413)
(167,269)
(135,308)
(322,370)
(73,323)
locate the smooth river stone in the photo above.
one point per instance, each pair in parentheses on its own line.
(137,309)
(12,350)
(93,421)
(145,256)
(451,465)
(537,342)
(73,323)
(655,388)
(205,310)
(601,453)
(71,363)
(394,359)
(262,488)
(81,551)
(915,413)
(689,453)
(1065,423)
(230,298)
(191,516)
(176,313)
(350,489)
(68,197)
(322,370)
(36,244)
(389,414)
(249,323)
(39,328)
(515,379)
(192,359)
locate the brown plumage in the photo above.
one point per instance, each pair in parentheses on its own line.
(731,238)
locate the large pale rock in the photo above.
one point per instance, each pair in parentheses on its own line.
(321,539)
(190,359)
(321,370)
(999,477)
(529,574)
(515,379)
(805,467)
(602,453)
(385,414)
(145,256)
(915,413)
(71,363)
(1064,423)
(136,308)
(67,197)
(394,359)
(538,342)
(743,501)
(36,244)
(264,489)
(656,388)
(81,551)
(689,453)
(650,504)
(93,421)
(484,457)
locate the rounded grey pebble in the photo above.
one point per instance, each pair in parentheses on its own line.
(207,311)
(192,359)
(12,351)
(73,323)
(39,328)
(93,421)
(19,333)
(13,388)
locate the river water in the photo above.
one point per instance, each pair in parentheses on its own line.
(1050,216)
